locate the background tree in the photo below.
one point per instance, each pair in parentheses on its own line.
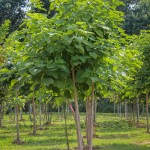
(137,15)
(13,11)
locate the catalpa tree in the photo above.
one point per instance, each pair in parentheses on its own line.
(70,50)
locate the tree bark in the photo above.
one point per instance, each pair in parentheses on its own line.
(17,122)
(114,107)
(40,115)
(87,118)
(95,110)
(66,130)
(137,111)
(30,112)
(77,116)
(34,116)
(147,112)
(125,110)
(1,113)
(21,114)
(120,109)
(90,120)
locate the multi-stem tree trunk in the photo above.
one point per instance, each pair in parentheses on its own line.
(77,116)
(147,113)
(1,114)
(137,111)
(90,119)
(34,116)
(17,122)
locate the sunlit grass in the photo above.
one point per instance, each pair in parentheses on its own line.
(112,133)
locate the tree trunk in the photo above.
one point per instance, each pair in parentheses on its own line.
(21,114)
(1,113)
(126,110)
(34,116)
(95,110)
(30,112)
(14,114)
(77,116)
(17,122)
(114,107)
(66,130)
(87,118)
(90,121)
(137,111)
(133,107)
(40,115)
(120,110)
(147,113)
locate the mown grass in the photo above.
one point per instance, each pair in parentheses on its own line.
(111,133)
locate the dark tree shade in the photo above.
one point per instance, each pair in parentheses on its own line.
(137,15)
(12,10)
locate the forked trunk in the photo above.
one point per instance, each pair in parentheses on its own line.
(34,116)
(77,117)
(147,113)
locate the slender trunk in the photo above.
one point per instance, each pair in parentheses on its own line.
(30,112)
(21,114)
(14,114)
(34,116)
(137,111)
(133,112)
(114,107)
(90,120)
(66,130)
(40,115)
(77,117)
(125,110)
(120,110)
(95,110)
(1,115)
(17,122)
(143,111)
(46,112)
(87,118)
(147,113)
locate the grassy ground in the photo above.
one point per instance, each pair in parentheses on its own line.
(112,133)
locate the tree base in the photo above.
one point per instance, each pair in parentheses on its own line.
(19,142)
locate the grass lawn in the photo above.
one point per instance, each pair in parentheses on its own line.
(111,133)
